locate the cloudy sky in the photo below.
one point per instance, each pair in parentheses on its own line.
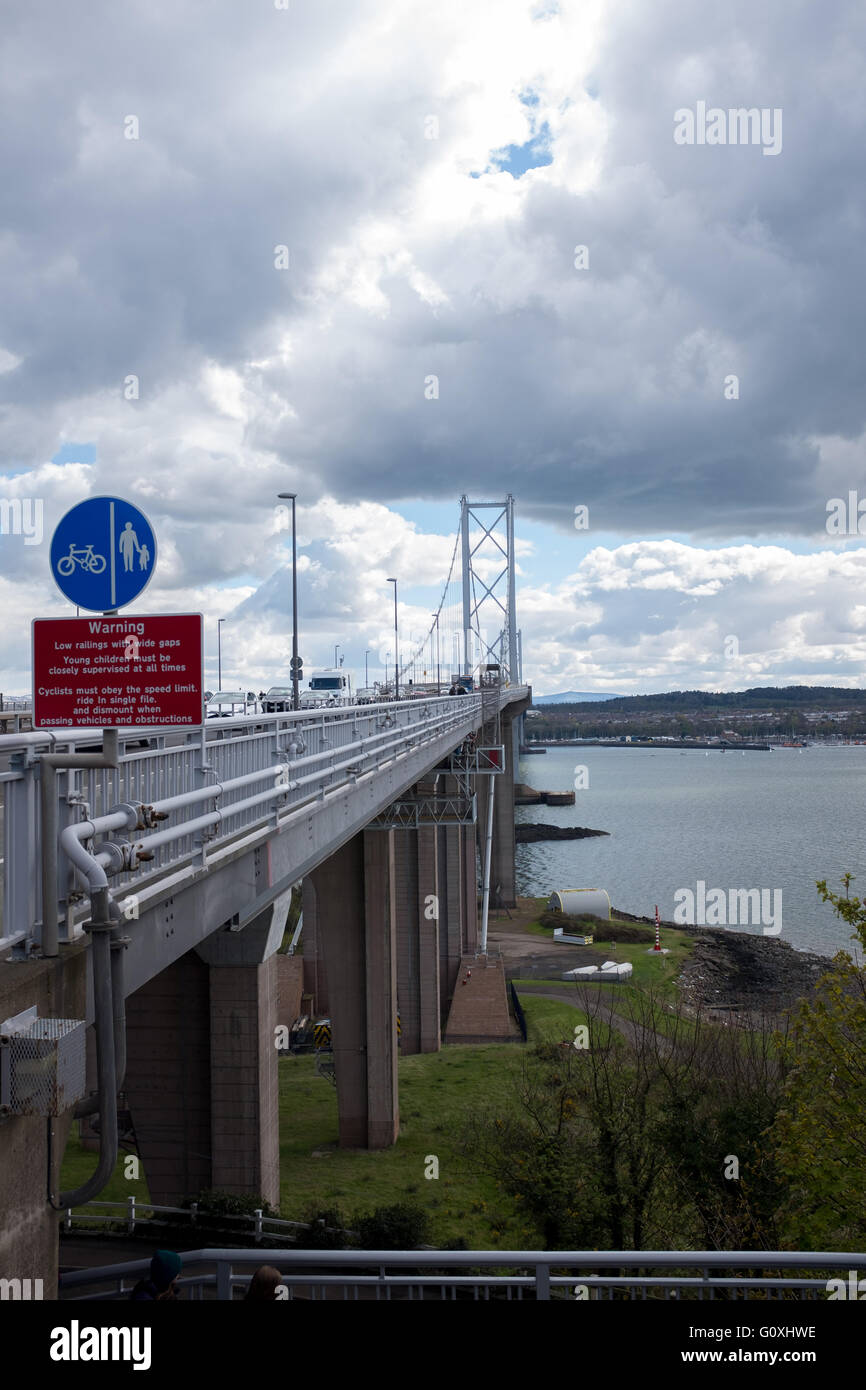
(239,242)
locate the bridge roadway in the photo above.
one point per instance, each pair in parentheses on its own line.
(367,805)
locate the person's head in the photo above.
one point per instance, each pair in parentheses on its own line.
(164,1269)
(264,1284)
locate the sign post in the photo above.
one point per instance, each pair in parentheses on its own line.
(113,671)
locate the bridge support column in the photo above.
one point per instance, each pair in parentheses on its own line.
(202,1067)
(168,1079)
(315,979)
(450,899)
(458,903)
(356,918)
(244,1000)
(503,878)
(244,1086)
(470,887)
(418,910)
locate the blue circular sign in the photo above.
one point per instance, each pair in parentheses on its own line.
(103,553)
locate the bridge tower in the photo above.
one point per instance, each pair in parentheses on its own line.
(489,608)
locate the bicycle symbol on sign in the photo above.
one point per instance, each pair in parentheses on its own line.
(84,557)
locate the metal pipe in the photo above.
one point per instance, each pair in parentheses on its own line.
(173,803)
(488,846)
(127,817)
(49,763)
(90,1104)
(101,926)
(88,864)
(297,932)
(118,994)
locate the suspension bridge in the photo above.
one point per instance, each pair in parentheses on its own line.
(147,877)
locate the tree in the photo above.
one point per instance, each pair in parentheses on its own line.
(627,1142)
(820,1132)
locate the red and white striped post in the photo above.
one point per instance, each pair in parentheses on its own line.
(657,946)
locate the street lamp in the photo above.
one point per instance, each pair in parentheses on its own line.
(290,496)
(366,670)
(396,645)
(438,677)
(220,622)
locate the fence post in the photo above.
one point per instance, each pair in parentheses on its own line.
(258,1216)
(130,1216)
(224,1281)
(542,1283)
(193,1211)
(67,1221)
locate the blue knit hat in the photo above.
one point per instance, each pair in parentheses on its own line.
(164,1268)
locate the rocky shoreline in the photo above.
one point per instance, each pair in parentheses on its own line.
(529,833)
(739,972)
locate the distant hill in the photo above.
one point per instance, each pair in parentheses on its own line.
(574,697)
(765,697)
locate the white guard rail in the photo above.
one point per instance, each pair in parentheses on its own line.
(200,789)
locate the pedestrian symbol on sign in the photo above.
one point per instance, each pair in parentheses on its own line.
(103,553)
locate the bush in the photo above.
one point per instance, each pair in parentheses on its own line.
(327,1229)
(402,1226)
(214,1203)
(599,927)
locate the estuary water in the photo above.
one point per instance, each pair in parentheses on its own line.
(733,820)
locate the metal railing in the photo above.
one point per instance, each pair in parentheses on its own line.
(138,1214)
(233,776)
(518,1011)
(484,1275)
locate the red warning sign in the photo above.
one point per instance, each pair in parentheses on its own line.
(117,672)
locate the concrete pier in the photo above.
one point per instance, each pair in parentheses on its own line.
(356,917)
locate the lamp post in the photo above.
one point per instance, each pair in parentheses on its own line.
(396,645)
(366,670)
(290,496)
(438,677)
(220,622)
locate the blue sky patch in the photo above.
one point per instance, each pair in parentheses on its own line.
(516,159)
(75,453)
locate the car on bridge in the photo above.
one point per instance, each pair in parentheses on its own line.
(277,700)
(227,704)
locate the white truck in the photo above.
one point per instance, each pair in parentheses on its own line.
(329,686)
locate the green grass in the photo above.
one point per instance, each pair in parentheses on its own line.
(438,1091)
(549,1020)
(80,1163)
(646,968)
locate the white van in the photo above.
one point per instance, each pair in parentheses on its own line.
(330,686)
